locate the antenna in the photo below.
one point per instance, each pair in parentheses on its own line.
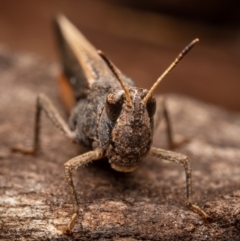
(175,62)
(116,73)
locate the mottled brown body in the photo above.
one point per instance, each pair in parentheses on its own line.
(125,140)
(112,117)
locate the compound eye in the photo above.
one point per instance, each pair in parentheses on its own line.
(151,106)
(144,93)
(114,104)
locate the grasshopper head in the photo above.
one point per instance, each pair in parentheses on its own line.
(132,131)
(131,113)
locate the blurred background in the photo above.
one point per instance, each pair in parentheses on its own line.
(143,38)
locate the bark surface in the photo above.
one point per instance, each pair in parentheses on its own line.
(148,204)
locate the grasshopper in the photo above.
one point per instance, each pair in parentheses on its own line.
(112,116)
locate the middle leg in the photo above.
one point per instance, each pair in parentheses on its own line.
(162,113)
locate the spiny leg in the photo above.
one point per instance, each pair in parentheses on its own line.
(162,112)
(183,161)
(71,166)
(44,103)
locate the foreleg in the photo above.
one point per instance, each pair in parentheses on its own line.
(181,160)
(71,166)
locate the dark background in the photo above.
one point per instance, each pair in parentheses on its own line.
(142,38)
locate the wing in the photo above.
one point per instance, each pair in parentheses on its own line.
(81,63)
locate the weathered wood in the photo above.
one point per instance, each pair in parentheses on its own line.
(148,204)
